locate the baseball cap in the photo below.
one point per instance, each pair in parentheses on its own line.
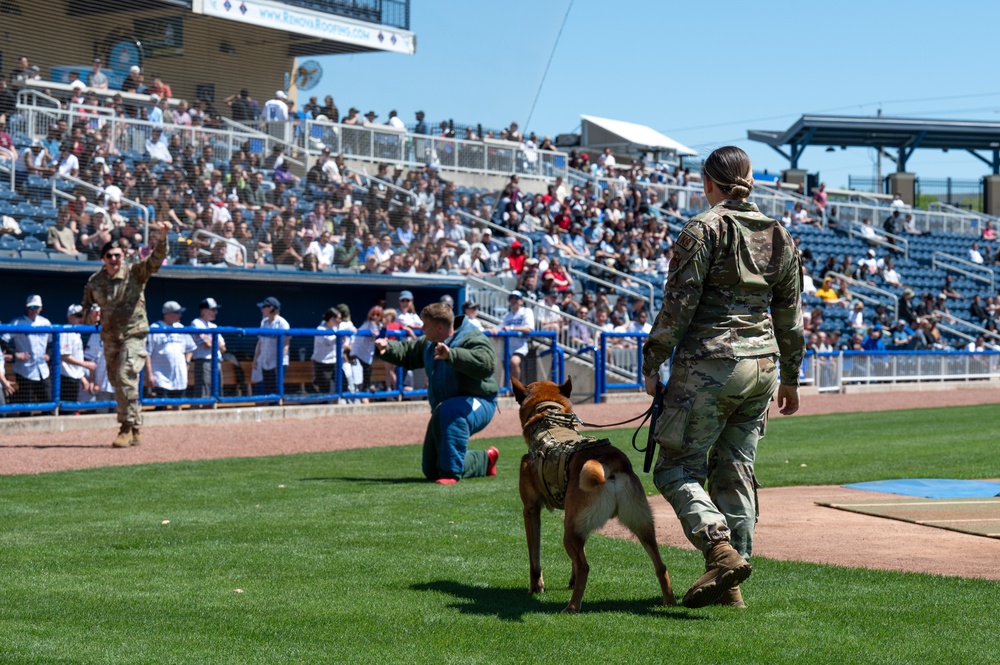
(406,295)
(154,97)
(516,243)
(208,303)
(74,309)
(470,304)
(280,94)
(515,294)
(97,61)
(270,301)
(172,307)
(33,301)
(447,300)
(134,69)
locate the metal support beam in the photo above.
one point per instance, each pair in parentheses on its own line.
(904,153)
(781,152)
(799,148)
(992,163)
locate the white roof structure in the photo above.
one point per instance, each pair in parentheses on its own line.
(628,136)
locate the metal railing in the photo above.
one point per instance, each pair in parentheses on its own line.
(287,373)
(976,329)
(953,263)
(383,144)
(575,337)
(883,238)
(99,191)
(128,136)
(613,286)
(480,222)
(869,298)
(214,238)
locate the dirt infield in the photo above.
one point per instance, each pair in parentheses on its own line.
(792,527)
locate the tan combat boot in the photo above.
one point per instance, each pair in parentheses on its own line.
(124,438)
(724,569)
(731,598)
(136,438)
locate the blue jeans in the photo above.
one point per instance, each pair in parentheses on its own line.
(446,442)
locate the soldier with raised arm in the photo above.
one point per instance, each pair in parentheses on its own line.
(120,291)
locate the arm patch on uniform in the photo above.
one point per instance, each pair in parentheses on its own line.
(686,240)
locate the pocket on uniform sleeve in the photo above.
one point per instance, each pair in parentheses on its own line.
(672,425)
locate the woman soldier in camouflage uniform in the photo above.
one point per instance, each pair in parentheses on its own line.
(731,264)
(120,291)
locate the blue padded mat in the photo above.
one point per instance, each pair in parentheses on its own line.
(933,488)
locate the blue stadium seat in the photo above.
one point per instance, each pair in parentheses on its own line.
(34,254)
(33,244)
(9,242)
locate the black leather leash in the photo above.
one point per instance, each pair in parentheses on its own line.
(654,412)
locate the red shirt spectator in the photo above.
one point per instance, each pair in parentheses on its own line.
(517,257)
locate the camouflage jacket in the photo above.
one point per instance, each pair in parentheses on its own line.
(731,264)
(122,298)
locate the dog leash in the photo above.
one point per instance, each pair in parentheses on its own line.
(654,412)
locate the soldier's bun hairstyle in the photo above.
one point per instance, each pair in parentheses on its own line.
(729,168)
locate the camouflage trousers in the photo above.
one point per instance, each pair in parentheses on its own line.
(713,416)
(126,358)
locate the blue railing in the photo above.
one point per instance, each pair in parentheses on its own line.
(217,397)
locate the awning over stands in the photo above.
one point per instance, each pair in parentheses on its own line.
(903,134)
(630,139)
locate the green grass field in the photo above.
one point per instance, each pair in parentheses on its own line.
(349,558)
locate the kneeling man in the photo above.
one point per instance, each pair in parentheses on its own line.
(459,361)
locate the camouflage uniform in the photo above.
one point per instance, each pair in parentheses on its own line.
(124,327)
(731,264)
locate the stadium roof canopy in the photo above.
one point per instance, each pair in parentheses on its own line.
(628,137)
(903,134)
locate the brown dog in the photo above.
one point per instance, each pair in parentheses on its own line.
(592,479)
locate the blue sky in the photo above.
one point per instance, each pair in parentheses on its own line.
(700,76)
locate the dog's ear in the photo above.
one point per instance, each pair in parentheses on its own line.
(566,387)
(520,391)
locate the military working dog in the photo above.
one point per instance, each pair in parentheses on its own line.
(591,479)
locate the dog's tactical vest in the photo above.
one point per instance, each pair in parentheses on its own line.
(552,441)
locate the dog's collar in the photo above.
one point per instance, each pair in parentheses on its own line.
(550,415)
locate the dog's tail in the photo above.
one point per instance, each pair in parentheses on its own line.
(592,476)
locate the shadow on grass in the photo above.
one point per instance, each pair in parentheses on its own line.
(514,603)
(374,481)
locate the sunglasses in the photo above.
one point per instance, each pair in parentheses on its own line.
(114,257)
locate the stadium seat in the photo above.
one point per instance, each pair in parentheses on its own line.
(8,242)
(34,254)
(31,243)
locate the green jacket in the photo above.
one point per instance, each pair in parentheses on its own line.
(468,372)
(731,264)
(122,298)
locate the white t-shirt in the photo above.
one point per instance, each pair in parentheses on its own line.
(275,110)
(411,320)
(323,254)
(363,346)
(201,351)
(325,346)
(268,357)
(68,164)
(35,368)
(95,353)
(166,356)
(523,317)
(71,344)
